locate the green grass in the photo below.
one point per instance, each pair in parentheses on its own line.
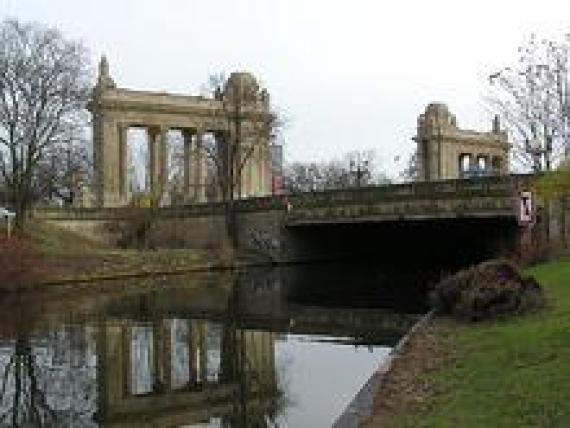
(511,373)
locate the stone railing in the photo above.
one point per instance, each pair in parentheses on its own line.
(495,186)
(408,197)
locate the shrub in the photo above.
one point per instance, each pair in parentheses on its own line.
(488,290)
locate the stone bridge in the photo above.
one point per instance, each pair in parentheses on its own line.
(476,198)
(463,213)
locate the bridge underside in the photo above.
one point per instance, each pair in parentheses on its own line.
(415,243)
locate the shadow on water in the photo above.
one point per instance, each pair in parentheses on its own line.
(225,349)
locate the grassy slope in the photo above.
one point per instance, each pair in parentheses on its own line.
(510,373)
(69,255)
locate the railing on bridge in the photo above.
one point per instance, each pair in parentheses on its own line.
(490,187)
(480,197)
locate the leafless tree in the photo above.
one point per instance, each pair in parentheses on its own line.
(354,169)
(44,86)
(250,126)
(62,171)
(411,170)
(533,96)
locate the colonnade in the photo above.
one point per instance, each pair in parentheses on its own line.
(194,171)
(115,110)
(479,163)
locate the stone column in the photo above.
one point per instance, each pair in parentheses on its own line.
(123,163)
(192,353)
(187,137)
(106,156)
(158,164)
(162,355)
(245,182)
(264,171)
(154,161)
(163,159)
(127,374)
(198,356)
(199,168)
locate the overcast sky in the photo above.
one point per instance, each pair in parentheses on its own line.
(348,74)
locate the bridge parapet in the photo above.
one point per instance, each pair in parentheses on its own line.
(423,197)
(481,197)
(481,186)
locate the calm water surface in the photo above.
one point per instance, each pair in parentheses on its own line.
(286,347)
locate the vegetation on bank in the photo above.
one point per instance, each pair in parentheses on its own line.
(507,373)
(492,289)
(48,254)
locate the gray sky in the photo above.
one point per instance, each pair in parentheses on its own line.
(348,74)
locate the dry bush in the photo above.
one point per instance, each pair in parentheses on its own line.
(488,290)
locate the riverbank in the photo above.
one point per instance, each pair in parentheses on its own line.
(514,372)
(55,256)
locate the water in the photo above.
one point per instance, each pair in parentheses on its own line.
(283,347)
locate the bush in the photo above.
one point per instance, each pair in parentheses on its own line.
(486,291)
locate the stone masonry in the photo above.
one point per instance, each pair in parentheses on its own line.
(445,151)
(115,110)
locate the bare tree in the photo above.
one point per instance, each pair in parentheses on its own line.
(411,170)
(533,97)
(354,169)
(44,86)
(62,171)
(250,125)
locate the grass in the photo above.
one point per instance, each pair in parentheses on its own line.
(510,373)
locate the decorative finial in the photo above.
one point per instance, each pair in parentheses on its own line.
(496,124)
(264,95)
(104,66)
(105,81)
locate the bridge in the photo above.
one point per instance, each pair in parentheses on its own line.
(476,198)
(304,226)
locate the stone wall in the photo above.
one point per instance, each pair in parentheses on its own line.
(196,231)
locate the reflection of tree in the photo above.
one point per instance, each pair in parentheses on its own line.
(43,383)
(28,404)
(258,400)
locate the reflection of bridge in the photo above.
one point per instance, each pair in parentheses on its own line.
(189,350)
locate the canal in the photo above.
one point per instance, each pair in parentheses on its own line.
(287,347)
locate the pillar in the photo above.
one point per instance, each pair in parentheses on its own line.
(123,163)
(163,163)
(162,355)
(245,184)
(158,165)
(106,156)
(199,168)
(187,137)
(200,355)
(153,163)
(192,352)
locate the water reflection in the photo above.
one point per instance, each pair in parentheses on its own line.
(183,351)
